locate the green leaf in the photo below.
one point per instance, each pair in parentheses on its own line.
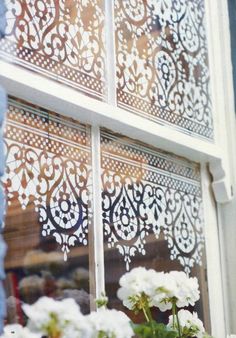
(153,330)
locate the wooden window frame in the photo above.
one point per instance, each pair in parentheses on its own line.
(51,95)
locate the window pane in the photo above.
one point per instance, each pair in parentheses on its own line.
(48,186)
(60,39)
(152,214)
(162,63)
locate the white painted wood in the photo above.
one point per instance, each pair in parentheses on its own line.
(110,52)
(98,249)
(221,184)
(224,108)
(217,23)
(214,272)
(67,101)
(223,254)
(226,219)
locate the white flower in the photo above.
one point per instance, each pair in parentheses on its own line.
(41,312)
(190,324)
(135,283)
(161,289)
(188,289)
(18,331)
(115,324)
(175,285)
(165,289)
(81,328)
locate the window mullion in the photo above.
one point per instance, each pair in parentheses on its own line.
(96,232)
(110,52)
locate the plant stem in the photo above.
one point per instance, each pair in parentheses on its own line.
(145,314)
(175,313)
(149,319)
(179,329)
(149,314)
(146,309)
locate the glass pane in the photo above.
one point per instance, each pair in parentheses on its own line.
(48,186)
(162,63)
(61,39)
(152,214)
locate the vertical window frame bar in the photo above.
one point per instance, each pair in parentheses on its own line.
(214,267)
(96,245)
(110,52)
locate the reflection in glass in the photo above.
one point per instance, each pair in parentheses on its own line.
(152,214)
(162,63)
(48,186)
(63,40)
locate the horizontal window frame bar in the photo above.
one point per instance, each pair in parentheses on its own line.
(67,101)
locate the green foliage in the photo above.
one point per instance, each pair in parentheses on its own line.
(102,334)
(153,330)
(102,301)
(140,302)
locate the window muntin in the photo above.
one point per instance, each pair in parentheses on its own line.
(162,63)
(63,40)
(48,183)
(152,213)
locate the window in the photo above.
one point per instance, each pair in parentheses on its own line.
(151,209)
(95,188)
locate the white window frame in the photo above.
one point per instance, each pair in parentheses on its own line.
(225,173)
(67,101)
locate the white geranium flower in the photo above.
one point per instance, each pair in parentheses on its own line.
(187,289)
(41,313)
(18,331)
(81,328)
(190,324)
(165,289)
(113,323)
(134,284)
(177,286)
(160,289)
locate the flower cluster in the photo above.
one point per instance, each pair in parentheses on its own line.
(189,322)
(63,319)
(111,322)
(49,316)
(159,289)
(140,290)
